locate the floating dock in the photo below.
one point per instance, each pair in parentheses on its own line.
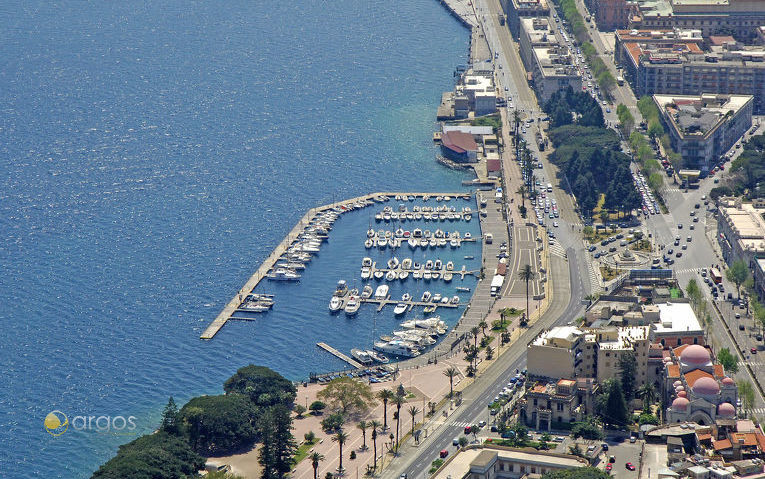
(340,355)
(280,249)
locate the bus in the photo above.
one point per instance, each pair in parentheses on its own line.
(714,273)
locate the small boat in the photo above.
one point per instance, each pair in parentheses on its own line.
(437,297)
(449,266)
(281,274)
(399,233)
(382,291)
(370,233)
(438,264)
(392,263)
(335,304)
(352,306)
(403,275)
(400,309)
(417,274)
(366,272)
(379,274)
(445,300)
(425,296)
(468,235)
(341,289)
(463,289)
(382,243)
(429,264)
(433,242)
(429,308)
(413,243)
(390,276)
(439,198)
(416,266)
(366,293)
(427,234)
(366,262)
(441,242)
(435,275)
(407,263)
(454,242)
(468,257)
(406,297)
(417,233)
(439,233)
(455,299)
(426,275)
(354,292)
(361,356)
(468,217)
(448,276)
(379,217)
(368,243)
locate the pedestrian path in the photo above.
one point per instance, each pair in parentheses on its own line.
(594,276)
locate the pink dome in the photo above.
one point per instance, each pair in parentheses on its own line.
(695,355)
(682,394)
(679,388)
(680,404)
(676,384)
(727,381)
(726,409)
(706,386)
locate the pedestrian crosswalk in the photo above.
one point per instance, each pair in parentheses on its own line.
(758,410)
(686,270)
(753,364)
(461,424)
(557,250)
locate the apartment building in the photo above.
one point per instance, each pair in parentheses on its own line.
(740,17)
(702,128)
(519,9)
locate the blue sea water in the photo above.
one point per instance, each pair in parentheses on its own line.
(152,155)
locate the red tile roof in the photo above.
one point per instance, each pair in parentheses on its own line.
(458,141)
(720,445)
(719,371)
(673,371)
(743,439)
(493,165)
(695,375)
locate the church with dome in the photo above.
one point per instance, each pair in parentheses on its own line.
(696,388)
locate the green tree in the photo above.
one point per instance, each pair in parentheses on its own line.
(398,400)
(489,353)
(317,407)
(340,438)
(746,393)
(264,386)
(413,411)
(483,325)
(578,473)
(333,422)
(218,425)
(728,360)
(159,455)
(170,418)
(611,404)
(347,396)
(450,373)
(278,444)
(375,425)
(693,292)
(655,181)
(299,410)
(526,274)
(363,425)
(647,392)
(588,428)
(385,395)
(737,274)
(628,368)
(316,458)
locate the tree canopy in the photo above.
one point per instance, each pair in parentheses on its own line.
(347,396)
(578,473)
(563,103)
(152,456)
(264,386)
(611,405)
(221,424)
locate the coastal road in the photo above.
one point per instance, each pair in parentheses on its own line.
(415,460)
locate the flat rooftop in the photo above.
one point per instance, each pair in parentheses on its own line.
(699,115)
(748,225)
(676,318)
(459,465)
(625,337)
(558,333)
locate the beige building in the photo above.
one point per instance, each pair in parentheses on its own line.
(553,405)
(741,17)
(496,462)
(613,343)
(558,353)
(741,231)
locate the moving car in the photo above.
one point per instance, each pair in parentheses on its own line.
(630,466)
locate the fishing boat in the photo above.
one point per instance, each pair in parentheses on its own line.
(400,309)
(361,356)
(352,306)
(366,293)
(335,304)
(382,291)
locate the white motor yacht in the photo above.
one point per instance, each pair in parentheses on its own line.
(455,299)
(281,274)
(352,306)
(379,274)
(426,275)
(449,266)
(366,262)
(407,263)
(413,243)
(382,291)
(335,304)
(448,276)
(406,297)
(454,242)
(382,243)
(361,356)
(393,263)
(341,289)
(368,243)
(370,233)
(366,293)
(400,309)
(380,358)
(426,296)
(417,233)
(417,274)
(366,272)
(397,348)
(438,264)
(429,264)
(390,276)
(435,275)
(403,275)
(468,235)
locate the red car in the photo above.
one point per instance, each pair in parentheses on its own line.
(630,466)
(753,350)
(468,429)
(609,467)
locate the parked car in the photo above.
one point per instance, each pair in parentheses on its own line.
(630,466)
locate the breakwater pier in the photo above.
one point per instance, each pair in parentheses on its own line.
(293,237)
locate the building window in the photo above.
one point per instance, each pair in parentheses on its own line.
(535,401)
(510,467)
(533,469)
(679,342)
(501,467)
(695,340)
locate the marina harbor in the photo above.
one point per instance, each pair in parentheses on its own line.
(290,260)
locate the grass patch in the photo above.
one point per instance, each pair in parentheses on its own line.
(642,245)
(609,273)
(494,121)
(302,451)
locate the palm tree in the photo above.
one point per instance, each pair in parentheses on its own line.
(340,439)
(522,191)
(413,411)
(648,393)
(516,121)
(398,401)
(527,274)
(385,395)
(450,373)
(474,331)
(489,352)
(363,425)
(315,459)
(375,425)
(483,327)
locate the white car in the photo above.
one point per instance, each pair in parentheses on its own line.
(555,223)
